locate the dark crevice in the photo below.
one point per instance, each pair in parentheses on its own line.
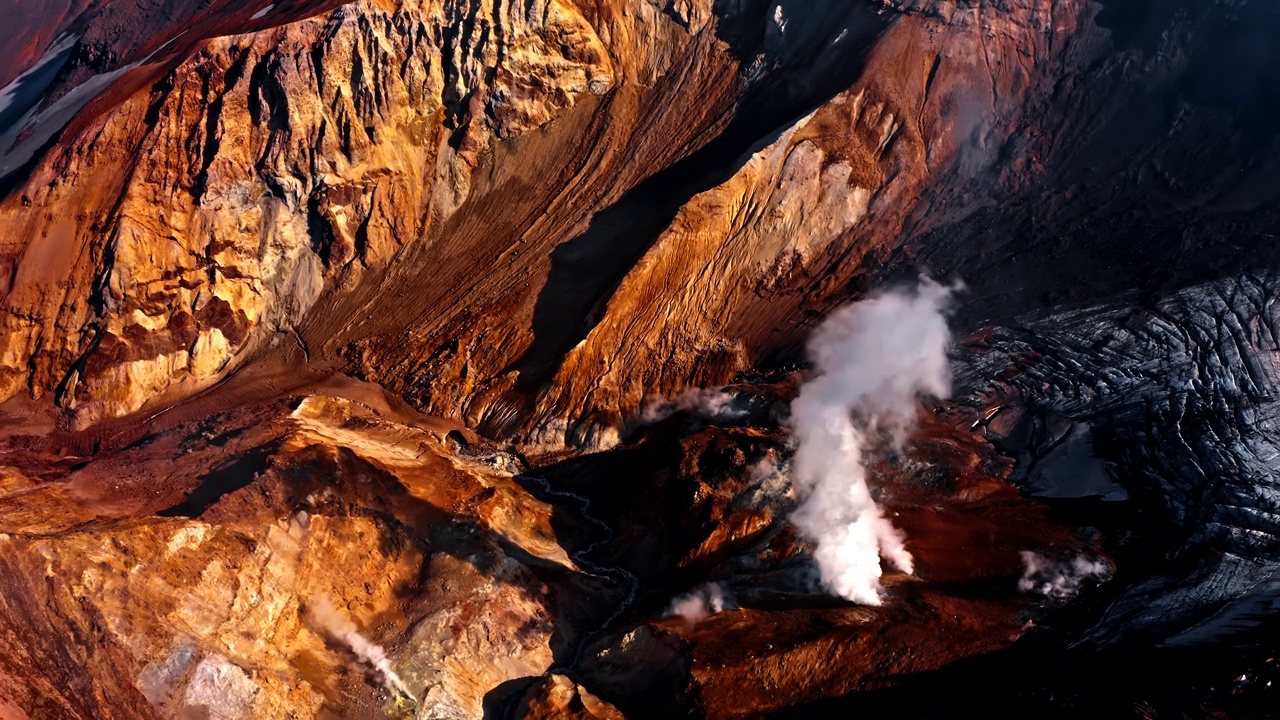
(820,55)
(222,481)
(213,117)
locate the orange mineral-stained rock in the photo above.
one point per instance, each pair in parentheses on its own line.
(558,697)
(432,359)
(612,201)
(167,577)
(212,211)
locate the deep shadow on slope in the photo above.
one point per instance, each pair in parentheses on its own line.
(1160,169)
(819,54)
(1040,678)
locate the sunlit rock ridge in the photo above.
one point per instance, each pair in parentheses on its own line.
(353,310)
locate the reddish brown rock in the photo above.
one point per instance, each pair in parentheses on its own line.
(559,697)
(526,219)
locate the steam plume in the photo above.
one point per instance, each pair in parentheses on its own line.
(695,607)
(323,614)
(872,359)
(714,403)
(1059,580)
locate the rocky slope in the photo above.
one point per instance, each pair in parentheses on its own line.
(185,571)
(317,303)
(289,186)
(805,159)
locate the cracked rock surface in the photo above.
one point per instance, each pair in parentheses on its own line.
(477,324)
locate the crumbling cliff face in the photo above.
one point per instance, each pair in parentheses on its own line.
(187,577)
(289,187)
(213,210)
(183,573)
(613,202)
(294,288)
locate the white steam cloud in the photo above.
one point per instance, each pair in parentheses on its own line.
(711,403)
(872,359)
(323,614)
(1059,580)
(704,601)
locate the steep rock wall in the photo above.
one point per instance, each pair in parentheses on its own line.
(532,217)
